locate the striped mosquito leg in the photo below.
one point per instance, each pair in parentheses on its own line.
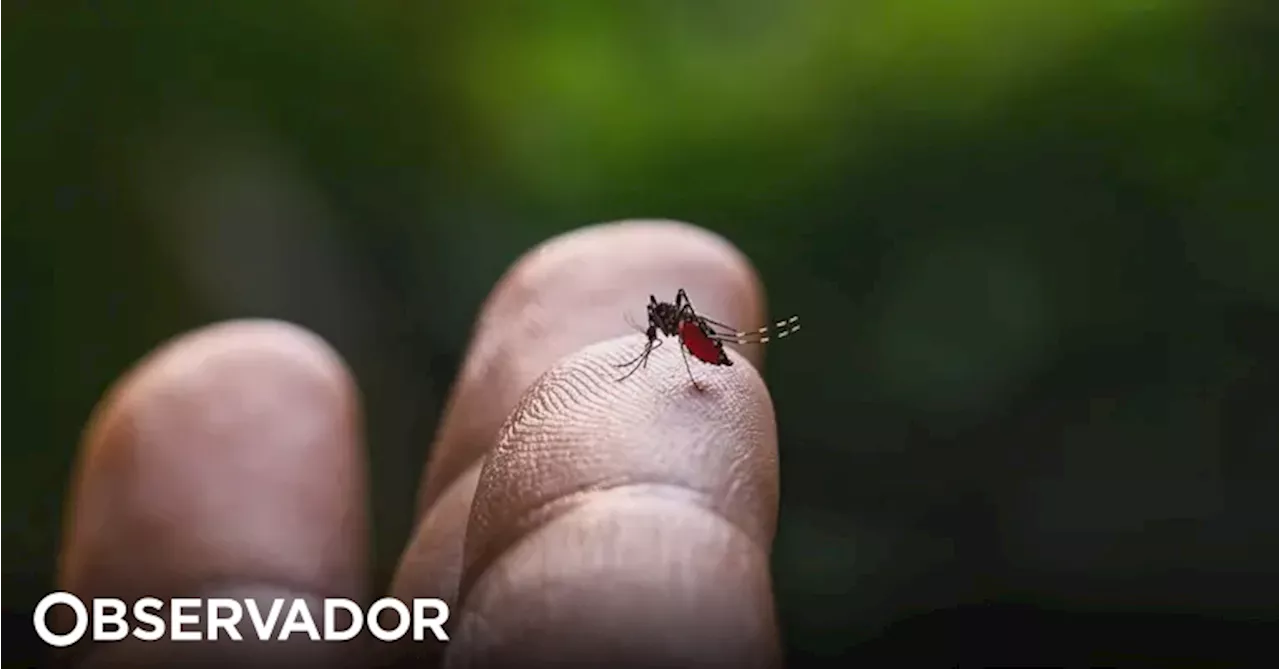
(765,334)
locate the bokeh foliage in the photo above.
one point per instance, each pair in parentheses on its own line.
(1031,242)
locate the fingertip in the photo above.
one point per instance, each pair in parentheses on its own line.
(580,433)
(233,453)
(579,428)
(178,365)
(666,255)
(570,292)
(573,290)
(626,521)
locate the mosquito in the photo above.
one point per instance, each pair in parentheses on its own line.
(699,336)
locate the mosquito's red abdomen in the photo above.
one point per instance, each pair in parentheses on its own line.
(701,346)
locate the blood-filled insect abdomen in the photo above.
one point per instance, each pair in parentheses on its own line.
(701,346)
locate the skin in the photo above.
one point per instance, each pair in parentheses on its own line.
(562,514)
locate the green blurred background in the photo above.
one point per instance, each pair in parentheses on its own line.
(1032,414)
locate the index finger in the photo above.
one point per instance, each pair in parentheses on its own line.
(626,523)
(568,292)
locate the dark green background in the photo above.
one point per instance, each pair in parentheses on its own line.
(1031,242)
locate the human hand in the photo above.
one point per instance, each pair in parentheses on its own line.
(563,516)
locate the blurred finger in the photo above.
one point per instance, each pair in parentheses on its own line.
(229,460)
(625,524)
(569,292)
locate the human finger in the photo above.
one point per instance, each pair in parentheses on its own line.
(228,461)
(567,293)
(625,523)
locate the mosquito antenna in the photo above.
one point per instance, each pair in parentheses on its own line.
(626,316)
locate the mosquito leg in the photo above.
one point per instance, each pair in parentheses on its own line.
(684,355)
(762,335)
(687,313)
(626,376)
(641,360)
(634,363)
(647,347)
(652,343)
(656,343)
